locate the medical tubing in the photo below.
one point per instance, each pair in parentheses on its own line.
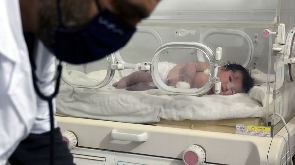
(39,93)
(278,11)
(49,100)
(51,154)
(31,42)
(268,76)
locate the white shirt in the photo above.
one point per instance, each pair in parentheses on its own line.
(21,112)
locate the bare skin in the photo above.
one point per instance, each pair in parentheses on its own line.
(231,82)
(39,14)
(191,72)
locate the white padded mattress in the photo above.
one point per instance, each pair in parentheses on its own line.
(113,104)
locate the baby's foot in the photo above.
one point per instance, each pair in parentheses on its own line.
(121,84)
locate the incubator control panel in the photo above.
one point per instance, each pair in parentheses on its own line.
(194,155)
(70,138)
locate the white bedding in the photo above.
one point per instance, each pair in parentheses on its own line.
(113,104)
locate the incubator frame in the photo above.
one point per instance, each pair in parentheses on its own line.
(289,56)
(109,75)
(232,32)
(213,61)
(114,62)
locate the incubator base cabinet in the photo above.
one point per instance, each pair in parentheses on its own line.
(108,143)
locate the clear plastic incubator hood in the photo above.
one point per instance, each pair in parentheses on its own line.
(171,120)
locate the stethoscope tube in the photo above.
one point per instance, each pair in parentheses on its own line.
(31,44)
(49,99)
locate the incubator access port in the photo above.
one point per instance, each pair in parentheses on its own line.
(182,83)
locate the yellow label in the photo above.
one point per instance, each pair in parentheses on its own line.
(258,128)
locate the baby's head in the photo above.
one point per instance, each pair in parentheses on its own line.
(234,79)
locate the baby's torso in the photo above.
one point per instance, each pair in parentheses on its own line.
(174,76)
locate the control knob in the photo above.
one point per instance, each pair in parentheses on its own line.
(70,138)
(194,155)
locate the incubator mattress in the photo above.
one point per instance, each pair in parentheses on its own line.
(151,106)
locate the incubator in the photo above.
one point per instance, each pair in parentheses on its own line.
(175,122)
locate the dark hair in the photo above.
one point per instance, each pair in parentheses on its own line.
(247,81)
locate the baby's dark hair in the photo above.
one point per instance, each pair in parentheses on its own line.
(247,81)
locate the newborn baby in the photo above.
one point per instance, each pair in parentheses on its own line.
(234,78)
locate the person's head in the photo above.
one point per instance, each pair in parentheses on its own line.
(41,18)
(234,79)
(39,13)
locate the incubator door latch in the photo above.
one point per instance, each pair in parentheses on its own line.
(119,65)
(278,48)
(217,83)
(280,39)
(144,66)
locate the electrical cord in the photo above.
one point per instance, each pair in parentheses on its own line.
(286,152)
(288,144)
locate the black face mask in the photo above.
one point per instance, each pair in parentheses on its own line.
(105,34)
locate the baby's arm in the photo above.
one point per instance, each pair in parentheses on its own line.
(189,70)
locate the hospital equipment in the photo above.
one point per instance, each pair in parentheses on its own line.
(103,125)
(214,65)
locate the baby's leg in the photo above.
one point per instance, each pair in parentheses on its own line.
(133,79)
(121,84)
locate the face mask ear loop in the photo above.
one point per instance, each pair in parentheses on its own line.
(98,5)
(60,24)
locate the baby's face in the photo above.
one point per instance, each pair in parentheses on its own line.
(231,82)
